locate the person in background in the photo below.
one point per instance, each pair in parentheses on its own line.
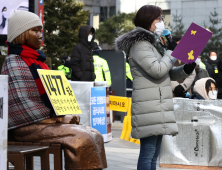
(81,57)
(200,73)
(152,70)
(211,63)
(129,79)
(101,68)
(216,74)
(177,38)
(182,86)
(65,66)
(205,89)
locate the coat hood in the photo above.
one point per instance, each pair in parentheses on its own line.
(199,87)
(126,41)
(84,33)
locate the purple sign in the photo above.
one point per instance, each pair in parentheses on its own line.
(192,44)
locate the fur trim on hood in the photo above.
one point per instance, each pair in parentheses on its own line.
(126,41)
(199,87)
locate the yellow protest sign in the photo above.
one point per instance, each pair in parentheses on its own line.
(118,103)
(59,92)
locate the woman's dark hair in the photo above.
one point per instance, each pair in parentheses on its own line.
(146,15)
(208,85)
(3,8)
(177,38)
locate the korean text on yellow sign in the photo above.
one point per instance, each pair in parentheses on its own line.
(59,92)
(118,103)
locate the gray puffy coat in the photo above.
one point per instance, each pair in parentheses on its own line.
(152,104)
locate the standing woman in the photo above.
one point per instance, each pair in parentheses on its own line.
(152,70)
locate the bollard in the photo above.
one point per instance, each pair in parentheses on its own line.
(125,124)
(137,142)
(127,127)
(124,128)
(123,104)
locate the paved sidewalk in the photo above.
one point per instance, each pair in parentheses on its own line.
(123,155)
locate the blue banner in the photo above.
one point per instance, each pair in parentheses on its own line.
(98,109)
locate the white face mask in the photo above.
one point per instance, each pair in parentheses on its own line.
(90,38)
(213,57)
(198,61)
(212,95)
(159,28)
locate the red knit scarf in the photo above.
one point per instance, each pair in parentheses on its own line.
(35,60)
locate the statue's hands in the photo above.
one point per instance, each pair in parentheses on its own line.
(48,121)
(69,119)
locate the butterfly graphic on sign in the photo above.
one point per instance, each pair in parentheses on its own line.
(193,32)
(190,54)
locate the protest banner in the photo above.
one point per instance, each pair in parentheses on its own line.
(100,112)
(59,92)
(192,44)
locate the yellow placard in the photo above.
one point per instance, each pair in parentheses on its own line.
(118,103)
(59,92)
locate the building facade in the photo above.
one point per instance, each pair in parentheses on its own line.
(197,11)
(99,10)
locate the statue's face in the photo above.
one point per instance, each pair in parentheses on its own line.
(35,38)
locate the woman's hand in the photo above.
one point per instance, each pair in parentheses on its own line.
(163,41)
(188,68)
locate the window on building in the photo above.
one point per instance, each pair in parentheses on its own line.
(112,11)
(104,13)
(88,21)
